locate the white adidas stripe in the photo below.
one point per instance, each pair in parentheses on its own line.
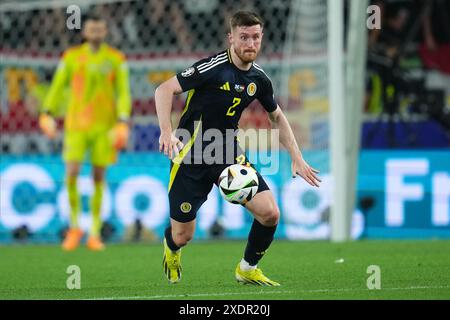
(214,58)
(260,69)
(206,64)
(257,66)
(212,64)
(215,65)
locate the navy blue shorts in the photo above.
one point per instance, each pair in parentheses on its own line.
(191,184)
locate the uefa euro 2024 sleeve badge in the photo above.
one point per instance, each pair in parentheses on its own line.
(188,72)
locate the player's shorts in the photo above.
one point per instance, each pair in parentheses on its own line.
(96,145)
(190,185)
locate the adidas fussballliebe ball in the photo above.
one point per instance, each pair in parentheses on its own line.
(238,183)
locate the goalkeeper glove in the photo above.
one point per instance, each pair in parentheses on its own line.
(121,133)
(47,125)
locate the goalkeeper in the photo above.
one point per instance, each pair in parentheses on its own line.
(99,106)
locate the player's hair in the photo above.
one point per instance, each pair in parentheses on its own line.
(93,17)
(245,18)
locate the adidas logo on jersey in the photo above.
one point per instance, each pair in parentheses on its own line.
(226,86)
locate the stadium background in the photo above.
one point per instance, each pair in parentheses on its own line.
(161,38)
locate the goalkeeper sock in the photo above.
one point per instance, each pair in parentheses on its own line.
(259,240)
(74,201)
(96,203)
(169,240)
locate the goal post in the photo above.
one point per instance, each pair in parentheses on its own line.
(346,85)
(339,216)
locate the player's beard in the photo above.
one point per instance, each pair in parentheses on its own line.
(96,42)
(245,57)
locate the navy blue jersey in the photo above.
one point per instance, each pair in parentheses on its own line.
(218,93)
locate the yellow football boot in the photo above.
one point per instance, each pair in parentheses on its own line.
(172,264)
(254,276)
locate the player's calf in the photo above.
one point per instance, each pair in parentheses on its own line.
(182,238)
(179,233)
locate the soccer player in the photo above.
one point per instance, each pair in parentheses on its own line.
(96,121)
(220,88)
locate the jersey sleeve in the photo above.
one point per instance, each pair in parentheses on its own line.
(196,75)
(267,98)
(58,84)
(123,91)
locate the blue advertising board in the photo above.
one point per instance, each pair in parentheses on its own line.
(408,194)
(410,191)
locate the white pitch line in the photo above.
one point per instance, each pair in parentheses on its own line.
(190,295)
(264,292)
(365,289)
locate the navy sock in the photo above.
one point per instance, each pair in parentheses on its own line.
(168,235)
(259,240)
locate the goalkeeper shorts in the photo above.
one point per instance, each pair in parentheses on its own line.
(96,145)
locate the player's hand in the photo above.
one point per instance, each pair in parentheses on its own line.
(121,133)
(301,167)
(169,144)
(47,125)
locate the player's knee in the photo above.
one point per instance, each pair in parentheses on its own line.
(72,173)
(98,175)
(182,238)
(98,179)
(270,216)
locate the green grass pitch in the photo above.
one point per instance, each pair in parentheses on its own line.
(306,270)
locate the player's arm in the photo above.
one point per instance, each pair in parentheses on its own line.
(299,165)
(46,122)
(163,103)
(121,129)
(191,78)
(279,121)
(123,92)
(59,82)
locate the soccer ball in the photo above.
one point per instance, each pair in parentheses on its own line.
(238,184)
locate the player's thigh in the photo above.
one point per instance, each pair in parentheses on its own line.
(264,208)
(188,189)
(98,173)
(74,146)
(73,169)
(103,152)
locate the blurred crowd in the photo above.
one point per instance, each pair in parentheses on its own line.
(144,26)
(408,69)
(414,38)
